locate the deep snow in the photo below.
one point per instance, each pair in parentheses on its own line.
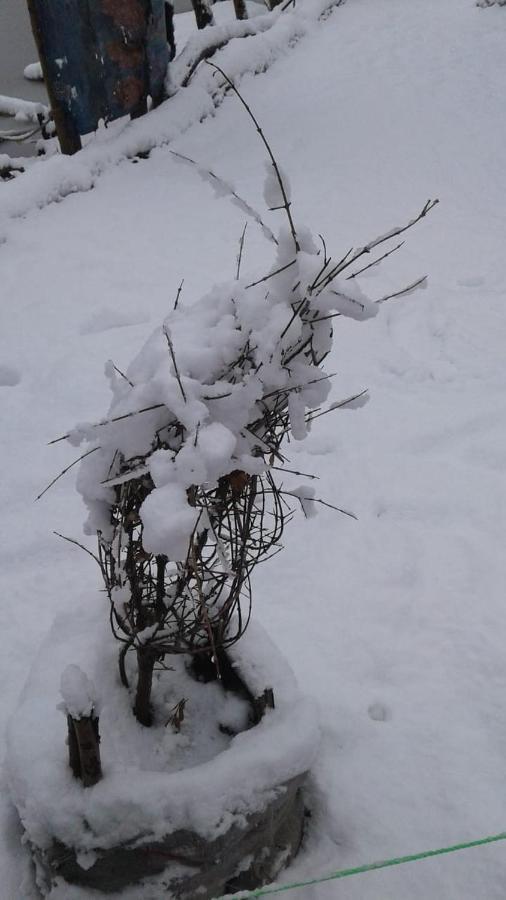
(396,623)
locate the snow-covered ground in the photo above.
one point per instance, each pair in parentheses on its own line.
(396,623)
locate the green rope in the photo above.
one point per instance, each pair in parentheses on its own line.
(358,870)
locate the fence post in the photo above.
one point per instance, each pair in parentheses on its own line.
(70,140)
(84,749)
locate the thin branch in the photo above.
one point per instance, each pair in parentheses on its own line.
(296,312)
(286,202)
(122,374)
(394,232)
(298,387)
(376,262)
(180,288)
(231,192)
(125,476)
(402,293)
(81,547)
(64,471)
(339,405)
(208,397)
(348,299)
(407,290)
(174,363)
(272,274)
(239,255)
(342,263)
(323,318)
(345,512)
(135,412)
(326,259)
(295,472)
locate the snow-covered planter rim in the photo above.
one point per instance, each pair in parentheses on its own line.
(131,806)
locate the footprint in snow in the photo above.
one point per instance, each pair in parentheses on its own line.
(378,712)
(9,376)
(105,319)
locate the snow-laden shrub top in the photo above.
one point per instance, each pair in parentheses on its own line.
(179,479)
(215,373)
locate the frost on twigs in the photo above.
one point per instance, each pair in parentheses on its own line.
(182,479)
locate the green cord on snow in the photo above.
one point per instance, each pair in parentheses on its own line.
(370,867)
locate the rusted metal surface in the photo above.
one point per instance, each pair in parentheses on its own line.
(102,57)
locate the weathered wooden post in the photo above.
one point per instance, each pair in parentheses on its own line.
(68,135)
(80,707)
(203,13)
(240,9)
(101,60)
(84,749)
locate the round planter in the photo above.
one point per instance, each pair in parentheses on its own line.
(228,824)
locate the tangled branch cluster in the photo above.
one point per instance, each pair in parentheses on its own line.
(182,482)
(204,602)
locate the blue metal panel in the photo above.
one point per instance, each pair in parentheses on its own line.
(103,56)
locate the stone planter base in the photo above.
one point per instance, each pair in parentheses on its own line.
(241,859)
(228,824)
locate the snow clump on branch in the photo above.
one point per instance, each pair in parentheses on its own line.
(212,378)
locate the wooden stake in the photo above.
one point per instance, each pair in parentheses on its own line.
(68,136)
(240,9)
(84,749)
(203,13)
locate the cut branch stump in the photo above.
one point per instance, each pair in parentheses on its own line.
(84,749)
